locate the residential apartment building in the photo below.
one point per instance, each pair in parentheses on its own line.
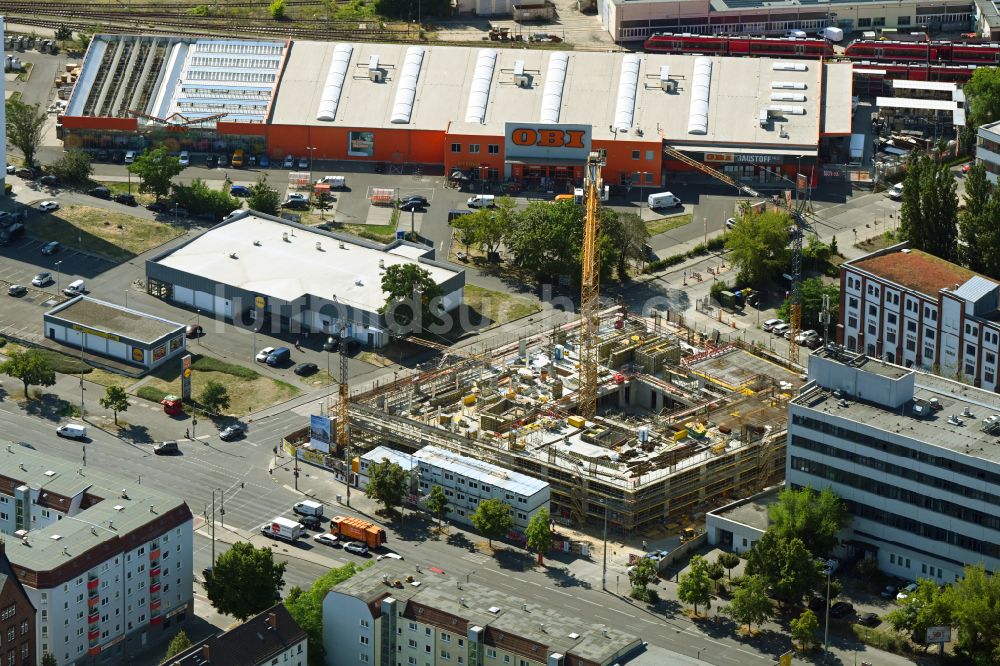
(106,562)
(988,138)
(467,481)
(394,615)
(17,618)
(914,456)
(272,638)
(914,309)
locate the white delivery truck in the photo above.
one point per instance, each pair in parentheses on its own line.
(282,528)
(72,431)
(663,200)
(481,201)
(832,34)
(308,508)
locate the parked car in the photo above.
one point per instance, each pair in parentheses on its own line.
(194,331)
(895,192)
(231,432)
(156,207)
(303,369)
(730,223)
(49,179)
(411,206)
(296,204)
(51,248)
(130,157)
(771,323)
(303,162)
(99,192)
(297,196)
(289,162)
(869,620)
(356,547)
(17,290)
(41,279)
(223,160)
(11,169)
(263,354)
(779,329)
(389,556)
(126,199)
(906,592)
(211,161)
(805,336)
(48,206)
(184,159)
(328,539)
(418,198)
(25,173)
(167,448)
(239,191)
(841,609)
(102,156)
(889,592)
(326,226)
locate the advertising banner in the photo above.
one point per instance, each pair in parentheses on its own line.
(319,433)
(361,144)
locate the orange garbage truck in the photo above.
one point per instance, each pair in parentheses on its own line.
(356,529)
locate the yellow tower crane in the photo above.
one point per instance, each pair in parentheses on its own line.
(590,291)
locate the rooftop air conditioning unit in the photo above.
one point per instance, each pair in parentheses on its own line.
(762,117)
(521,79)
(284,236)
(381,263)
(376,75)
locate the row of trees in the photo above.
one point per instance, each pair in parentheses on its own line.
(546,238)
(388,484)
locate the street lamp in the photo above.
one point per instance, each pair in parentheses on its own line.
(604,570)
(198,330)
(826,623)
(311,149)
(329,346)
(58,274)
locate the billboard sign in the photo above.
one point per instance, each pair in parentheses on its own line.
(361,144)
(547,141)
(186,377)
(319,433)
(938,635)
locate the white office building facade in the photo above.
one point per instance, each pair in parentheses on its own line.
(913,457)
(467,482)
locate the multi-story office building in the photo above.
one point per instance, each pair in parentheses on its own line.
(912,308)
(393,614)
(988,136)
(915,457)
(17,618)
(268,639)
(106,562)
(467,481)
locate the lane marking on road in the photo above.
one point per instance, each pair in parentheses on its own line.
(615,610)
(565,594)
(592,603)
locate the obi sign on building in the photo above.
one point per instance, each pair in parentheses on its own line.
(548,142)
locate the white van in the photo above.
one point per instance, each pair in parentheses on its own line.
(663,200)
(481,201)
(896,191)
(72,431)
(335,182)
(75,288)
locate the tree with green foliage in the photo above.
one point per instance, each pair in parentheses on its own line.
(805,628)
(750,604)
(324,202)
(786,565)
(979,223)
(306,608)
(816,253)
(758,246)
(245,580)
(695,586)
(487,228)
(48,659)
(31,367)
(156,169)
(198,197)
(388,483)
(815,518)
(927,607)
(928,216)
(264,198)
(73,167)
(715,572)
(178,644)
(277,10)
(729,561)
(405,286)
(539,534)
(116,399)
(25,123)
(214,397)
(641,576)
(811,292)
(983,94)
(64,33)
(493,518)
(437,503)
(973,609)
(628,239)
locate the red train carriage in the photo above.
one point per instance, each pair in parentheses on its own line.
(738,45)
(986,53)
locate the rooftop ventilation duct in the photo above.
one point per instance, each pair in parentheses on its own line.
(701,86)
(555,78)
(790,67)
(406,90)
(787,97)
(334,83)
(788,85)
(790,110)
(475,112)
(627,84)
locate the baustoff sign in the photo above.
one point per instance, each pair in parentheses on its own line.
(562,142)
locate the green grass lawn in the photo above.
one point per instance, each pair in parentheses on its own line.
(665,224)
(497,306)
(118,187)
(101,232)
(380,233)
